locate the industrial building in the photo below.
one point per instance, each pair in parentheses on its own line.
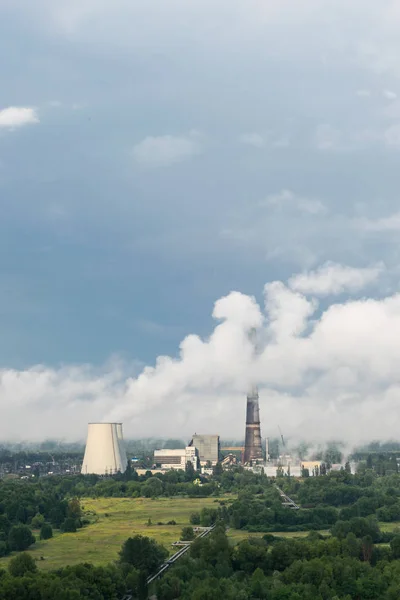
(208,447)
(176,459)
(105,451)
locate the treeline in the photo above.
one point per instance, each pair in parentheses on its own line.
(360,495)
(39,506)
(139,557)
(270,568)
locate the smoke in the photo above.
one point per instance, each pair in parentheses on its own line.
(323,373)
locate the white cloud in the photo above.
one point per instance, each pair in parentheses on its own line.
(14,116)
(333,278)
(391,136)
(380,225)
(318,373)
(363,93)
(252,139)
(328,137)
(287,198)
(389,95)
(165,150)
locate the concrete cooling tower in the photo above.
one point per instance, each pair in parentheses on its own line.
(105,451)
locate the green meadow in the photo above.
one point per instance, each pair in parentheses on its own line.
(116,519)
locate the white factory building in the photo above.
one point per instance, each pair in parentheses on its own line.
(176,459)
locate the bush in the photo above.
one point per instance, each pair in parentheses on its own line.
(187,534)
(37,521)
(195,518)
(20,537)
(69,525)
(22,564)
(46,531)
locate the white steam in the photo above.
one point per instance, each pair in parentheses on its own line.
(330,374)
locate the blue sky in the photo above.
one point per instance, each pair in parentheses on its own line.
(156,156)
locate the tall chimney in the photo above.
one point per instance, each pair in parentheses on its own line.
(252,444)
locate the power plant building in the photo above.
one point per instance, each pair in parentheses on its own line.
(105,451)
(176,459)
(208,447)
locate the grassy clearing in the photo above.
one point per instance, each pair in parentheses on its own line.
(389,526)
(100,542)
(237,535)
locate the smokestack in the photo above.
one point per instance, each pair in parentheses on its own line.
(252,444)
(104,453)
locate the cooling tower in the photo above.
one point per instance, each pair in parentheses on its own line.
(122,446)
(104,453)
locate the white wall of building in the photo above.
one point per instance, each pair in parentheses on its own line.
(176,458)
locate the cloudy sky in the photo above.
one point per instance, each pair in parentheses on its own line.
(174,173)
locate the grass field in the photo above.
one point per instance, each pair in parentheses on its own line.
(100,542)
(116,519)
(389,526)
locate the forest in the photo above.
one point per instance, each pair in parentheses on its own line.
(348,552)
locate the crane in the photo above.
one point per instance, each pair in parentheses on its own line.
(283,441)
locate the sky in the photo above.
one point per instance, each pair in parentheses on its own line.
(175,173)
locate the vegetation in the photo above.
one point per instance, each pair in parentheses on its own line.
(112,521)
(314,568)
(347,544)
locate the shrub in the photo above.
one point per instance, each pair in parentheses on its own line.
(195,518)
(69,525)
(187,534)
(46,531)
(22,564)
(20,537)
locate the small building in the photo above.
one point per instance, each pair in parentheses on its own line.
(176,459)
(208,447)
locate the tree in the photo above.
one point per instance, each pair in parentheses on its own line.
(69,525)
(22,564)
(195,518)
(189,471)
(37,521)
(305,472)
(5,524)
(20,537)
(218,470)
(152,488)
(74,509)
(367,548)
(187,534)
(143,554)
(46,531)
(395,546)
